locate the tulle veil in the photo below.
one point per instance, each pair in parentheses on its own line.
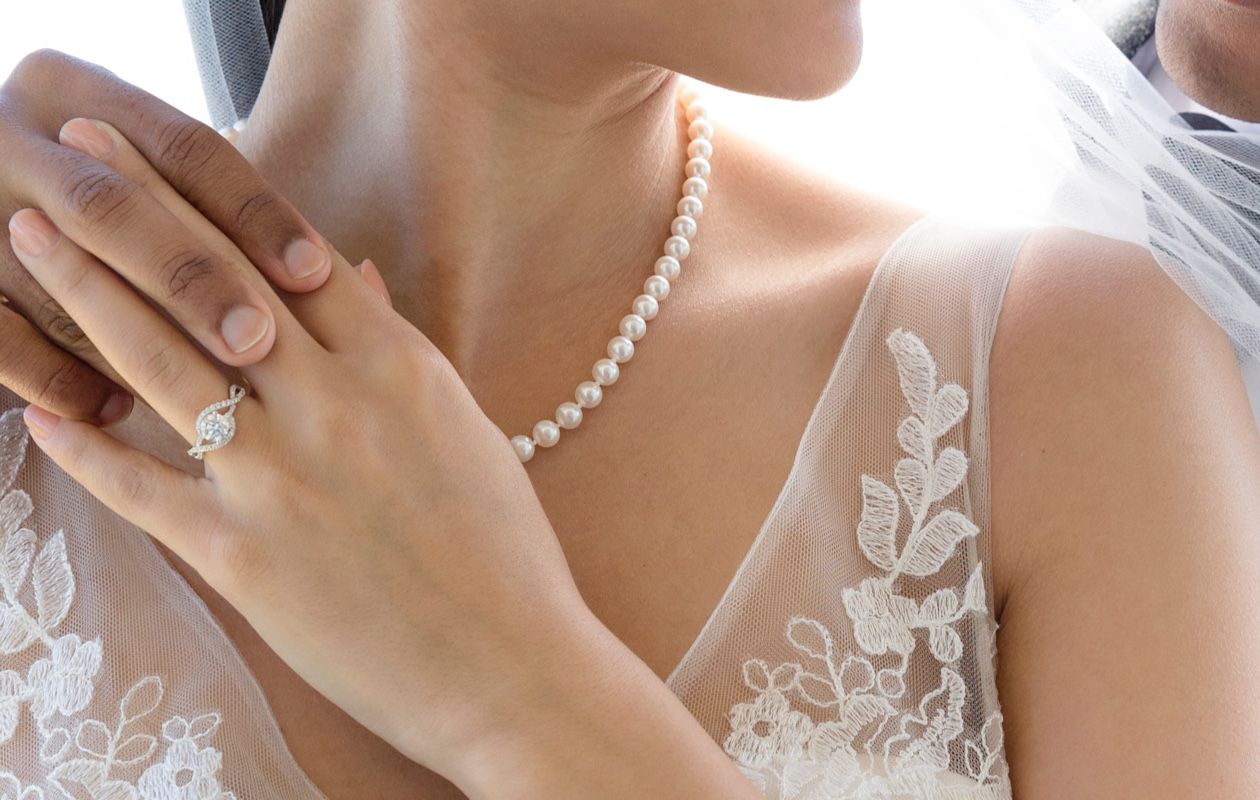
(1023,112)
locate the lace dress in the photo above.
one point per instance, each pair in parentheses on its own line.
(851,657)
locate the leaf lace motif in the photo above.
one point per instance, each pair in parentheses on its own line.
(876,744)
(87,759)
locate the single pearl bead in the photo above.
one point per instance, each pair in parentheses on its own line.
(698,168)
(696,110)
(524,447)
(589,394)
(677,247)
(690,206)
(620,349)
(695,187)
(684,226)
(656,287)
(645,306)
(569,415)
(546,433)
(667,267)
(700,148)
(633,327)
(700,129)
(606,371)
(687,95)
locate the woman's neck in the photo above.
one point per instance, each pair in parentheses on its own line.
(513,190)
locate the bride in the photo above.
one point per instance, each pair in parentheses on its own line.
(671,468)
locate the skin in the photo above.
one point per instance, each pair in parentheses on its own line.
(1211,48)
(463,164)
(45,358)
(1125,533)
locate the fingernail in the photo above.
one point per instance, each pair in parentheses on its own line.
(373,276)
(303,258)
(117,407)
(31,233)
(88,136)
(244,327)
(40,421)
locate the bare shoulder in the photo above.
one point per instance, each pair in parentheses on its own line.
(790,218)
(1100,362)
(1126,531)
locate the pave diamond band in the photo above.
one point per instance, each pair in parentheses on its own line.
(215,425)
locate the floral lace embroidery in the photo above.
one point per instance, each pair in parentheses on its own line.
(87,758)
(874,745)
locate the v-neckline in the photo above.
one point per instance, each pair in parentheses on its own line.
(855,325)
(759,541)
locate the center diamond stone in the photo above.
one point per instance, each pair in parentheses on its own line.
(216,427)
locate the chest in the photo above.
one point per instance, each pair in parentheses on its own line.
(655,499)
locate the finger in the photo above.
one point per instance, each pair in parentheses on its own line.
(24,296)
(344,315)
(155,358)
(40,372)
(329,316)
(168,503)
(128,162)
(199,163)
(217,299)
(372,275)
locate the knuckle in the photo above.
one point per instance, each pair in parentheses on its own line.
(430,366)
(332,419)
(255,211)
(405,348)
(134,485)
(181,273)
(58,386)
(62,329)
(236,556)
(99,196)
(38,67)
(185,146)
(160,367)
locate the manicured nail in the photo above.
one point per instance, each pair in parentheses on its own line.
(373,277)
(116,408)
(303,258)
(88,136)
(244,327)
(31,233)
(40,421)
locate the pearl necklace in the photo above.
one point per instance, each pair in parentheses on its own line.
(633,326)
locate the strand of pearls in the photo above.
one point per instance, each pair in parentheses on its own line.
(645,307)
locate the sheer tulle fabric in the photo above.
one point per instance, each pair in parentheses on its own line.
(853,653)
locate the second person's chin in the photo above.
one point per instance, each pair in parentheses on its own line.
(1209,50)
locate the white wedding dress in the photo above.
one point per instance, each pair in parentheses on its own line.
(852,656)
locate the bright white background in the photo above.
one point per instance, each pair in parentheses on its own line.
(898,152)
(145,42)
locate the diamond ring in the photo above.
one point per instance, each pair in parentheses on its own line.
(214,428)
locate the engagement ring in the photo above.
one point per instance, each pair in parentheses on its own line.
(214,428)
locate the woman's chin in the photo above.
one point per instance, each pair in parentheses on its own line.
(812,65)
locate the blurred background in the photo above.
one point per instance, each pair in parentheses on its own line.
(145,42)
(864,136)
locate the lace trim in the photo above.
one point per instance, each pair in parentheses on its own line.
(87,758)
(871,747)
